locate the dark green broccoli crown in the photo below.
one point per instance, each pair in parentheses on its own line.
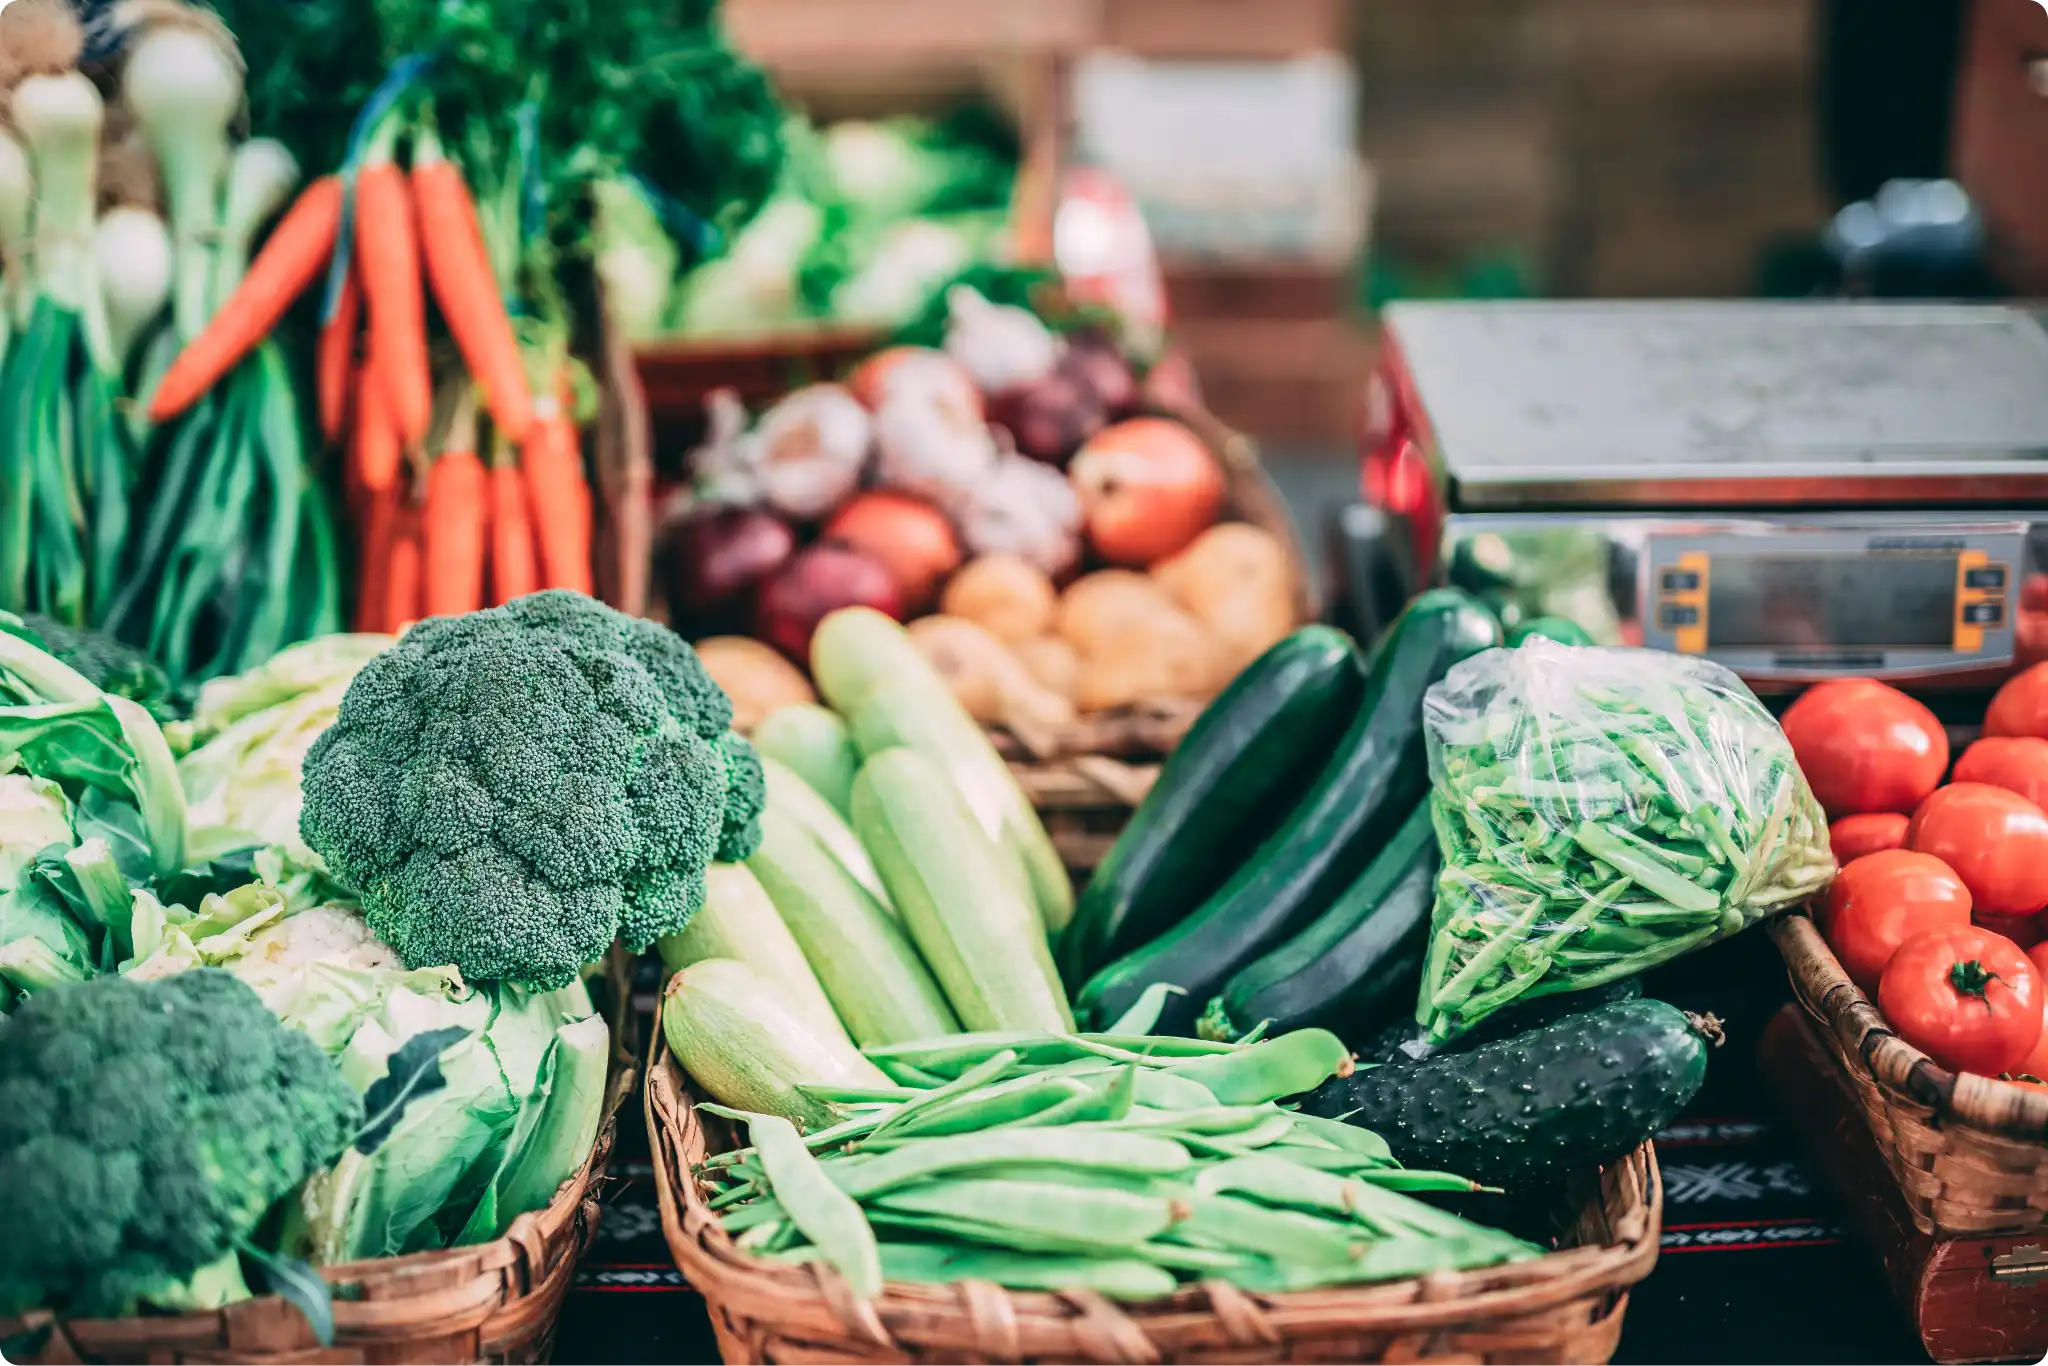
(111,665)
(511,790)
(746,792)
(146,1127)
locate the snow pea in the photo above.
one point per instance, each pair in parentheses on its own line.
(830,1218)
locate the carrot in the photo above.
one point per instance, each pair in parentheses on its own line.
(336,358)
(376,446)
(458,497)
(379,512)
(513,571)
(556,494)
(466,289)
(297,251)
(388,255)
(405,566)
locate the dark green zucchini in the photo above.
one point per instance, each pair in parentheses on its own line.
(1356,963)
(1563,630)
(1226,786)
(1368,787)
(1561,1098)
(1405,1041)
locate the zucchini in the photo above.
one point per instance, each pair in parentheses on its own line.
(1356,964)
(967,916)
(876,982)
(1364,791)
(812,742)
(788,790)
(738,1039)
(738,920)
(1563,630)
(1405,1041)
(1560,1098)
(1225,787)
(874,675)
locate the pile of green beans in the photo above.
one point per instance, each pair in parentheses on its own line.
(1122,1163)
(1601,811)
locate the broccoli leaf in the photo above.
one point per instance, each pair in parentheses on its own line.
(413,1072)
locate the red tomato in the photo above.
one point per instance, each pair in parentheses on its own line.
(1147,486)
(1881,900)
(2017,763)
(1865,746)
(1997,841)
(1854,836)
(1964,997)
(2021,706)
(2023,930)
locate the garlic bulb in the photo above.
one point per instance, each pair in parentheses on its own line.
(719,467)
(1026,509)
(1001,346)
(930,441)
(807,452)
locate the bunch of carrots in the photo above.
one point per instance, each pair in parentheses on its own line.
(461,501)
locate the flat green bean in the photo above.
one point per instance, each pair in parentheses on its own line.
(1287,1066)
(1117,1278)
(1124,1151)
(830,1218)
(1031,1207)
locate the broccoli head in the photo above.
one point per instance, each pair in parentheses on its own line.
(145,1128)
(511,790)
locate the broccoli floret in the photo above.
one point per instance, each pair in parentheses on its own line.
(145,1128)
(110,665)
(511,790)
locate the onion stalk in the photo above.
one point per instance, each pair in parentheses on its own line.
(17,191)
(261,177)
(185,91)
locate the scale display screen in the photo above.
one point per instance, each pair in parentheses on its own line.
(1819,601)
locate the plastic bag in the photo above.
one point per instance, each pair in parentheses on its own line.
(1601,811)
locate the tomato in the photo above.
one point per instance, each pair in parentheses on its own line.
(1964,997)
(1997,841)
(2035,1064)
(2023,930)
(2017,763)
(1881,900)
(2038,956)
(2021,706)
(1854,836)
(1865,746)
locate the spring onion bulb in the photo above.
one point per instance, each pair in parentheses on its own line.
(261,175)
(17,191)
(185,91)
(134,251)
(59,118)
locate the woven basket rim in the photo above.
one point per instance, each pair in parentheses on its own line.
(816,1298)
(1967,1100)
(397,1297)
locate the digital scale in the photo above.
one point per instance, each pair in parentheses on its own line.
(1800,491)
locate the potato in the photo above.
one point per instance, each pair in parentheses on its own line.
(1007,596)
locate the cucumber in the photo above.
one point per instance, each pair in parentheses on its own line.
(876,982)
(826,825)
(966,914)
(1405,1041)
(1226,787)
(874,675)
(1560,1098)
(1365,790)
(1563,630)
(1355,965)
(739,920)
(812,742)
(738,1039)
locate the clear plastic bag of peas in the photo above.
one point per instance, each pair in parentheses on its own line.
(1601,811)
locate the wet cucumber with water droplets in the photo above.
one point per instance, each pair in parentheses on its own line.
(1560,1098)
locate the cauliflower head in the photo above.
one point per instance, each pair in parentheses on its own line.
(145,1129)
(511,790)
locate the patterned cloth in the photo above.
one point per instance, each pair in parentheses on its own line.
(1753,1269)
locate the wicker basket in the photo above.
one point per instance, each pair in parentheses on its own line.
(1564,1307)
(1970,1153)
(496,1301)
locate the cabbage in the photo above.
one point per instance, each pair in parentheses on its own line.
(507,1084)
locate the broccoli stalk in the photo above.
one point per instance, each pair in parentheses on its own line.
(510,791)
